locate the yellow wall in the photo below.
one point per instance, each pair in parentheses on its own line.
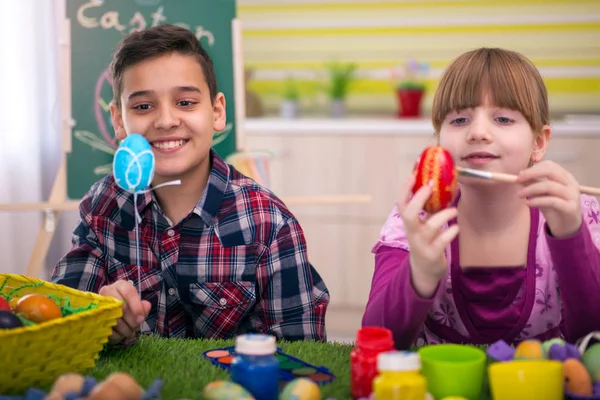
(281,37)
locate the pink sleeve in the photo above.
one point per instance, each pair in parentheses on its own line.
(393,302)
(577,263)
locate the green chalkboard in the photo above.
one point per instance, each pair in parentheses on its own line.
(96,27)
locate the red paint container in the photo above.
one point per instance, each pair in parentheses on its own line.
(370,341)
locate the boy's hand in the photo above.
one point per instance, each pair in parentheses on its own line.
(553,190)
(135,310)
(426,238)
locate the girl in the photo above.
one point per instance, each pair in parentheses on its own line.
(507,261)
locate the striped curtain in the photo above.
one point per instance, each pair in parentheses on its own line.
(297,38)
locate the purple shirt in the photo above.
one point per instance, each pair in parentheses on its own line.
(543,299)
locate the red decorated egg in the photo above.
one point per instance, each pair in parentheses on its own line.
(436,165)
(38,308)
(4,305)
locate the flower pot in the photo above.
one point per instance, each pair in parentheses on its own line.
(409,101)
(290,109)
(337,108)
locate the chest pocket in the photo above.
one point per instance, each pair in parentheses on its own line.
(219,308)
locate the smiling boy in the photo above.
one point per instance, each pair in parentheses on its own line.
(220,254)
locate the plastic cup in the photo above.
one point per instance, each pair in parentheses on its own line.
(526,380)
(453,370)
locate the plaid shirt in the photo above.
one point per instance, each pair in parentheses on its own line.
(236,263)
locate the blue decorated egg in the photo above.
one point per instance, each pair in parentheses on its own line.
(133,165)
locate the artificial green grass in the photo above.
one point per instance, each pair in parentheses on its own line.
(184,370)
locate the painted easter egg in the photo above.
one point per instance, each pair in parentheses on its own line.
(4,304)
(577,379)
(591,359)
(133,164)
(9,320)
(436,165)
(225,390)
(548,344)
(301,389)
(530,350)
(38,308)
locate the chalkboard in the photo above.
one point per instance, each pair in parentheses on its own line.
(96,27)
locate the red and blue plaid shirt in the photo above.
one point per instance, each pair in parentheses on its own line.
(236,263)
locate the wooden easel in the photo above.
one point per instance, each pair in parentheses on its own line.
(58,202)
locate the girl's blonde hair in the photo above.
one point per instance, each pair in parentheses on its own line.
(507,77)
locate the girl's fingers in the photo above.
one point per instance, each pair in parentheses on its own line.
(545,188)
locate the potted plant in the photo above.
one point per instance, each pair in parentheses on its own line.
(410,88)
(290,106)
(341,76)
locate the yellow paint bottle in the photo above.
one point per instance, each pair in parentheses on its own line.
(399,377)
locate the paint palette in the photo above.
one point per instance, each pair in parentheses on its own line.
(289,367)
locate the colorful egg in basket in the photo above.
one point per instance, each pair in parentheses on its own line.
(437,166)
(36,355)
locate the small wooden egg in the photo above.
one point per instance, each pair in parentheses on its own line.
(4,304)
(38,308)
(127,384)
(13,302)
(225,390)
(436,165)
(67,383)
(9,320)
(591,359)
(577,379)
(108,391)
(301,389)
(529,349)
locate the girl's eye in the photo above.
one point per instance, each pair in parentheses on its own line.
(142,107)
(458,121)
(504,120)
(186,103)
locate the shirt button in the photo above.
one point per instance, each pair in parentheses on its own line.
(171,233)
(223,301)
(172,292)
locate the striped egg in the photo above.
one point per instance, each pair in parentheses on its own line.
(436,165)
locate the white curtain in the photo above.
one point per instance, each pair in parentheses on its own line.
(30,121)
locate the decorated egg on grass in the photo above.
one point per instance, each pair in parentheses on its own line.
(4,304)
(133,164)
(9,320)
(301,389)
(38,308)
(225,390)
(437,166)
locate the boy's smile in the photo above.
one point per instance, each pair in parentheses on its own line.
(167,100)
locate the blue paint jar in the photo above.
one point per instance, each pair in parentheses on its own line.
(255,366)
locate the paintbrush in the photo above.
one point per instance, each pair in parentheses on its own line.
(508,178)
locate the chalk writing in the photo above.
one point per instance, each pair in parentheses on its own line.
(88,16)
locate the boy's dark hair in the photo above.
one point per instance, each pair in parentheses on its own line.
(155,42)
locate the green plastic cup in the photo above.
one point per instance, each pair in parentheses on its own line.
(453,370)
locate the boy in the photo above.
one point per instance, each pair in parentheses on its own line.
(220,255)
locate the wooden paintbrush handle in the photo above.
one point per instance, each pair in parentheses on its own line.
(508,178)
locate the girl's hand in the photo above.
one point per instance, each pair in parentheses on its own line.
(426,238)
(553,190)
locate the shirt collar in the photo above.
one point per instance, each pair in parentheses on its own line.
(206,208)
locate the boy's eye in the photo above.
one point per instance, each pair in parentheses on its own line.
(142,107)
(186,103)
